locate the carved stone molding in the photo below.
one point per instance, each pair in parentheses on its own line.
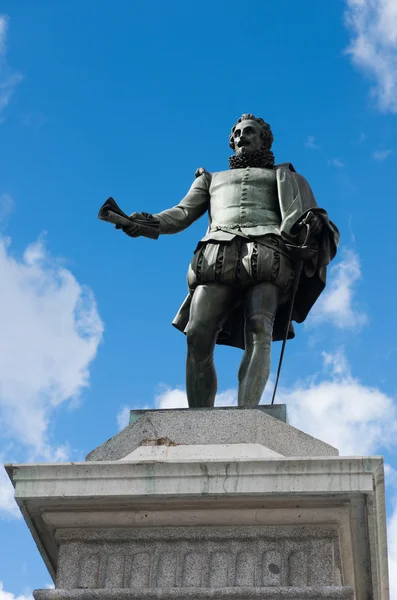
(229,557)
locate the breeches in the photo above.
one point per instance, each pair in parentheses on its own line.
(242,263)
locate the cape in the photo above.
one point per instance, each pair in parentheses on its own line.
(296,200)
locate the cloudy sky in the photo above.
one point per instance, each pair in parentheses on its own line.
(102,98)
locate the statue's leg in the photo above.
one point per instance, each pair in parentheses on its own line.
(211,304)
(261,305)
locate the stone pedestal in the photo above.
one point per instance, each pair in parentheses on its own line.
(209,504)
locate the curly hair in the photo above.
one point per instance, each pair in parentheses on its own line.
(266,132)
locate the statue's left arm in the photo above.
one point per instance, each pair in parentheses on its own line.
(296,202)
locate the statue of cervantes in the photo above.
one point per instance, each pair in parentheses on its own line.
(243,272)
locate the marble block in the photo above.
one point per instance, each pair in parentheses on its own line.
(209,505)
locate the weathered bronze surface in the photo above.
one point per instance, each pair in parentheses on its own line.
(242,273)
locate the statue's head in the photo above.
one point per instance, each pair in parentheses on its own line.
(250,134)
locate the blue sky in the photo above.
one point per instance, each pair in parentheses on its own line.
(128,99)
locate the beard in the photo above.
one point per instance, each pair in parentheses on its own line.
(259,158)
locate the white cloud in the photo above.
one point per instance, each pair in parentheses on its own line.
(4,595)
(336,304)
(336,363)
(36,120)
(9,78)
(3,33)
(176,398)
(226,398)
(391,475)
(310,142)
(8,83)
(336,162)
(170,398)
(381,155)
(50,331)
(362,138)
(6,206)
(123,417)
(339,409)
(373,46)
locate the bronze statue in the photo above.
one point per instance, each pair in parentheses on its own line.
(241,277)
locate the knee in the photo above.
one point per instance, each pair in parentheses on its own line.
(260,325)
(199,338)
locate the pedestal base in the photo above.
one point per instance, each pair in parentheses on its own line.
(209,524)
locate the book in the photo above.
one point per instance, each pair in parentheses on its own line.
(110,212)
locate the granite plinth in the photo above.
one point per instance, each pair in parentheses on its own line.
(277,411)
(210,426)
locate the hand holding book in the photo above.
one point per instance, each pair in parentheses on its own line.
(135,225)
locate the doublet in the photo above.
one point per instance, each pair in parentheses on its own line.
(239,202)
(244,202)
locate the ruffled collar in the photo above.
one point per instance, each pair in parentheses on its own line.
(260,158)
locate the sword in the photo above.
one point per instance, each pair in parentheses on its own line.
(302,252)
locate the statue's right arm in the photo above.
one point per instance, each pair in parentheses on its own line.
(191,208)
